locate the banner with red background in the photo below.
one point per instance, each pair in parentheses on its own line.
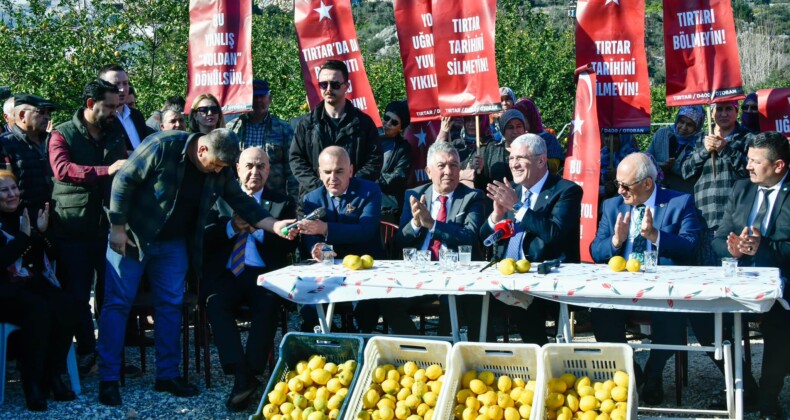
(414,23)
(219,60)
(774,108)
(701,52)
(610,36)
(325,30)
(583,163)
(464,47)
(420,137)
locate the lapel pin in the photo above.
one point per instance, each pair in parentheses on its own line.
(662,205)
(546,197)
(350,208)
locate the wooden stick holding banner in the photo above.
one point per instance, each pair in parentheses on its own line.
(710,128)
(478,151)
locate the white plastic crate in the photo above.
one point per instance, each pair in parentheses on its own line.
(515,360)
(382,350)
(599,361)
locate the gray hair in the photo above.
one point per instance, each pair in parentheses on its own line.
(642,164)
(173,108)
(441,147)
(535,144)
(223,144)
(8,106)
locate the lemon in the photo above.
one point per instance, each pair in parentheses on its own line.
(512,414)
(335,401)
(345,377)
(334,385)
(393,374)
(507,267)
(390,386)
(504,383)
(588,403)
(589,415)
(347,259)
(555,401)
(277,397)
(468,376)
(619,394)
(403,393)
(607,406)
(370,399)
(572,402)
(583,381)
(633,265)
(489,398)
(522,266)
(602,416)
(295,384)
(354,262)
(586,390)
(463,394)
(316,415)
(386,413)
(527,396)
(430,398)
(617,263)
(525,410)
(320,376)
(269,411)
(367,261)
(422,409)
(477,386)
(301,366)
(494,412)
(379,374)
(385,402)
(487,377)
(602,394)
(473,403)
(408,381)
(621,379)
(316,362)
(557,385)
(503,400)
(433,372)
(402,412)
(569,379)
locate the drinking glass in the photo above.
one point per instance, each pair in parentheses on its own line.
(651,261)
(409,255)
(729,266)
(328,255)
(450,260)
(464,254)
(422,258)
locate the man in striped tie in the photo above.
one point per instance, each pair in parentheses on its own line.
(239,254)
(546,210)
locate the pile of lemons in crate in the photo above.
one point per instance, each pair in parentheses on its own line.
(403,392)
(484,396)
(572,398)
(314,391)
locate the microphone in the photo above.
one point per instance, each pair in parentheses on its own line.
(502,230)
(316,214)
(546,266)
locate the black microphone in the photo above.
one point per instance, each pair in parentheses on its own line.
(316,214)
(546,266)
(502,230)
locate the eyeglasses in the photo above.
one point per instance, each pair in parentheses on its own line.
(627,187)
(334,84)
(392,121)
(749,108)
(206,109)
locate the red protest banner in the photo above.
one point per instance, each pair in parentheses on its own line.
(325,29)
(774,108)
(220,61)
(701,52)
(464,48)
(610,36)
(420,137)
(583,164)
(414,23)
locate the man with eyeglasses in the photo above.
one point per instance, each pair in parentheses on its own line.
(260,128)
(131,119)
(645,218)
(23,150)
(546,210)
(334,122)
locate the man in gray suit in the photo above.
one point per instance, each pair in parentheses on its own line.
(444,212)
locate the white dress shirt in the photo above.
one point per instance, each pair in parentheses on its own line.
(125,117)
(771,200)
(633,230)
(434,206)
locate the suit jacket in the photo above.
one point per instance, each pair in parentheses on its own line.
(552,227)
(274,250)
(674,216)
(354,226)
(774,248)
(143,130)
(463,220)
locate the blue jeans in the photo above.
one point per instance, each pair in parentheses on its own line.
(165,264)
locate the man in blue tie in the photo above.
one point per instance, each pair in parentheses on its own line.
(546,210)
(644,218)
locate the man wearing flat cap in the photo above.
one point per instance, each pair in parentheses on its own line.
(23,150)
(262,129)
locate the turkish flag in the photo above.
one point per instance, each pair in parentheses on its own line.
(583,164)
(420,137)
(219,60)
(610,36)
(464,48)
(701,50)
(325,30)
(774,108)
(414,23)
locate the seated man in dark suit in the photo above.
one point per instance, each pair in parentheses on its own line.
(546,210)
(237,254)
(756,231)
(644,218)
(444,212)
(350,225)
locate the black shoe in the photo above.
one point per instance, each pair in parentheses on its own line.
(109,393)
(35,399)
(135,341)
(176,386)
(60,390)
(749,403)
(653,392)
(86,364)
(241,394)
(132,370)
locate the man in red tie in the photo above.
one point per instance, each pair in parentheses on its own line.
(444,212)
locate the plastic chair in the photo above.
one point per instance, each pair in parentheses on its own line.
(71,361)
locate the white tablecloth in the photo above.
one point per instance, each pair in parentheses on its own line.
(693,289)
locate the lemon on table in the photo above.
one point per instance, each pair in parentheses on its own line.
(617,263)
(354,262)
(507,266)
(523,266)
(633,265)
(367,261)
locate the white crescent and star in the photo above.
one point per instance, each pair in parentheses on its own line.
(577,125)
(586,77)
(323,11)
(617,2)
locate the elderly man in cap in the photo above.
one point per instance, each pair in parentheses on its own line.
(262,129)
(23,150)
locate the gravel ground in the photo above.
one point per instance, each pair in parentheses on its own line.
(140,400)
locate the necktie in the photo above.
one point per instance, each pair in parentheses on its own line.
(515,247)
(640,243)
(237,255)
(337,201)
(441,217)
(759,220)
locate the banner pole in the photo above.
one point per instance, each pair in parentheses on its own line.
(478,152)
(710,129)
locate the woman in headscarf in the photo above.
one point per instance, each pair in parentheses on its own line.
(508,98)
(495,156)
(554,151)
(397,161)
(672,144)
(750,117)
(205,115)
